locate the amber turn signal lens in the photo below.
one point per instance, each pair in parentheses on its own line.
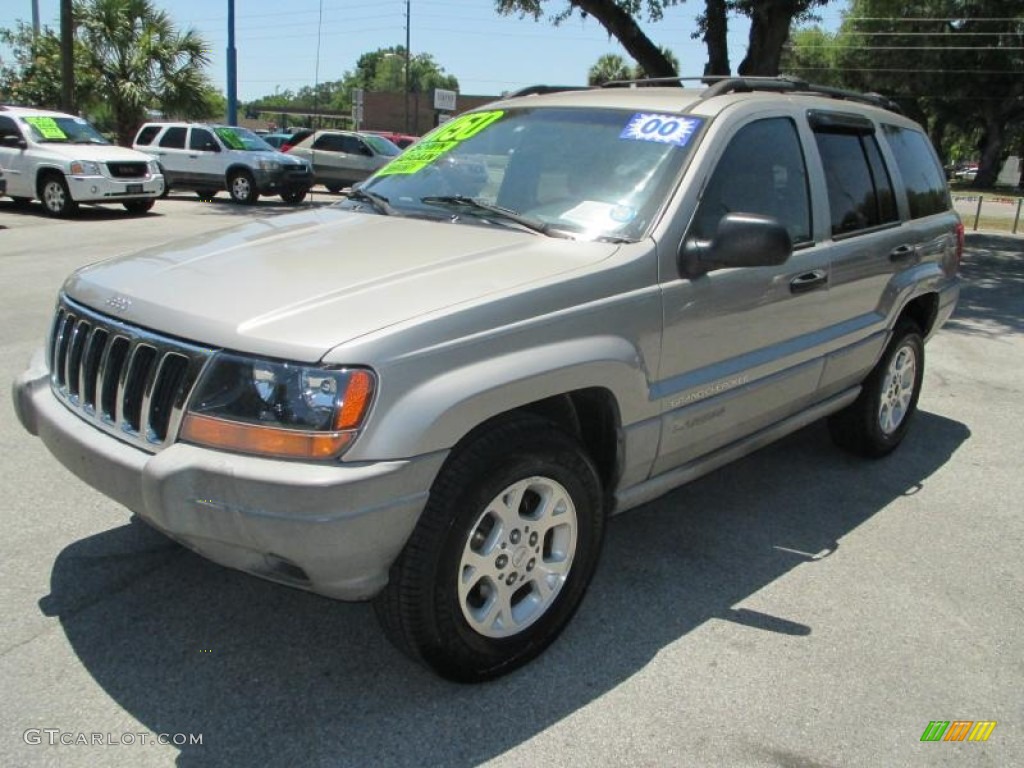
(265,441)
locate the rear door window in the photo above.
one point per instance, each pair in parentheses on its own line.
(860,192)
(174,138)
(922,175)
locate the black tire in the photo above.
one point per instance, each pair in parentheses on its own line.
(138,207)
(55,196)
(242,188)
(206,195)
(421,609)
(877,421)
(334,188)
(294,197)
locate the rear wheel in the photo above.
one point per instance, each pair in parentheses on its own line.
(57,201)
(136,207)
(243,188)
(876,422)
(502,554)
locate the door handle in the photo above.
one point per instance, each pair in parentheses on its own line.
(808,281)
(902,253)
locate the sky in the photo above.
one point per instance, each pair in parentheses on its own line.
(279,47)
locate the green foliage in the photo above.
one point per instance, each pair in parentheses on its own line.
(32,76)
(379,70)
(609,67)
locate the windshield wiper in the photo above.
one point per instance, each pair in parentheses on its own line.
(473,205)
(378,202)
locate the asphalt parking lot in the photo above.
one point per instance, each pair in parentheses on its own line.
(798,608)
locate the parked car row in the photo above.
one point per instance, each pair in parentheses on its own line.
(63,161)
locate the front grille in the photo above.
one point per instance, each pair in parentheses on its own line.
(128,170)
(296,169)
(125,380)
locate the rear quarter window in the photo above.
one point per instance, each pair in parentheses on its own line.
(147,134)
(922,175)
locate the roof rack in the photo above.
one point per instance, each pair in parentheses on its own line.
(651,81)
(532,90)
(784,84)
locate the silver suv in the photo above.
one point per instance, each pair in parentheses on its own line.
(63,161)
(435,393)
(211,158)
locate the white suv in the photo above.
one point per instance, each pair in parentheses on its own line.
(209,158)
(63,161)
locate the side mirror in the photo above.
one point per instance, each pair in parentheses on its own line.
(741,240)
(14,141)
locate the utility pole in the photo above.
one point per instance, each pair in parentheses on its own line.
(232,67)
(407,84)
(35,18)
(67,58)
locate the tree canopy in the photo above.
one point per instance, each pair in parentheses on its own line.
(770,21)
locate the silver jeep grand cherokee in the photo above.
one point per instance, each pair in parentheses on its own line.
(435,392)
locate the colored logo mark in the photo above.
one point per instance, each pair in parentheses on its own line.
(958,730)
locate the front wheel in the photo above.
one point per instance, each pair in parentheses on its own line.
(56,197)
(294,196)
(243,188)
(502,555)
(876,422)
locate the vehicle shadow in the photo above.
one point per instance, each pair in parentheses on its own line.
(992,287)
(85,212)
(272,676)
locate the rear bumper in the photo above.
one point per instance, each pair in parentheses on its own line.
(329,528)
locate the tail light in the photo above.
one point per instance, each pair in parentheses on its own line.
(959,245)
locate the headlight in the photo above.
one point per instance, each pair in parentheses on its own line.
(154,167)
(278,409)
(269,165)
(84,168)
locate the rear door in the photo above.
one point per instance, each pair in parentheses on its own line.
(14,161)
(172,154)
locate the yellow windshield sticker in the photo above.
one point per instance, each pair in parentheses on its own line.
(426,151)
(47,127)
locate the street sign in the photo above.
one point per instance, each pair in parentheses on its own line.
(444,100)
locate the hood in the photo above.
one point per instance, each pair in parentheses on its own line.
(100,153)
(297,285)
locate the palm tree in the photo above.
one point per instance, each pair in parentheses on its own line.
(609,67)
(142,61)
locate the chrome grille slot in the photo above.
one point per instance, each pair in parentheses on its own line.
(125,380)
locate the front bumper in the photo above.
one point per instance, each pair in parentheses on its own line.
(282,180)
(101,189)
(329,528)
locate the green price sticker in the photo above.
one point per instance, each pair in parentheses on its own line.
(230,138)
(453,133)
(47,127)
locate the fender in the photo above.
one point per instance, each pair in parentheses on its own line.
(438,411)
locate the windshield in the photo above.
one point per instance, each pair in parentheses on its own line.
(241,138)
(589,173)
(382,146)
(64,130)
